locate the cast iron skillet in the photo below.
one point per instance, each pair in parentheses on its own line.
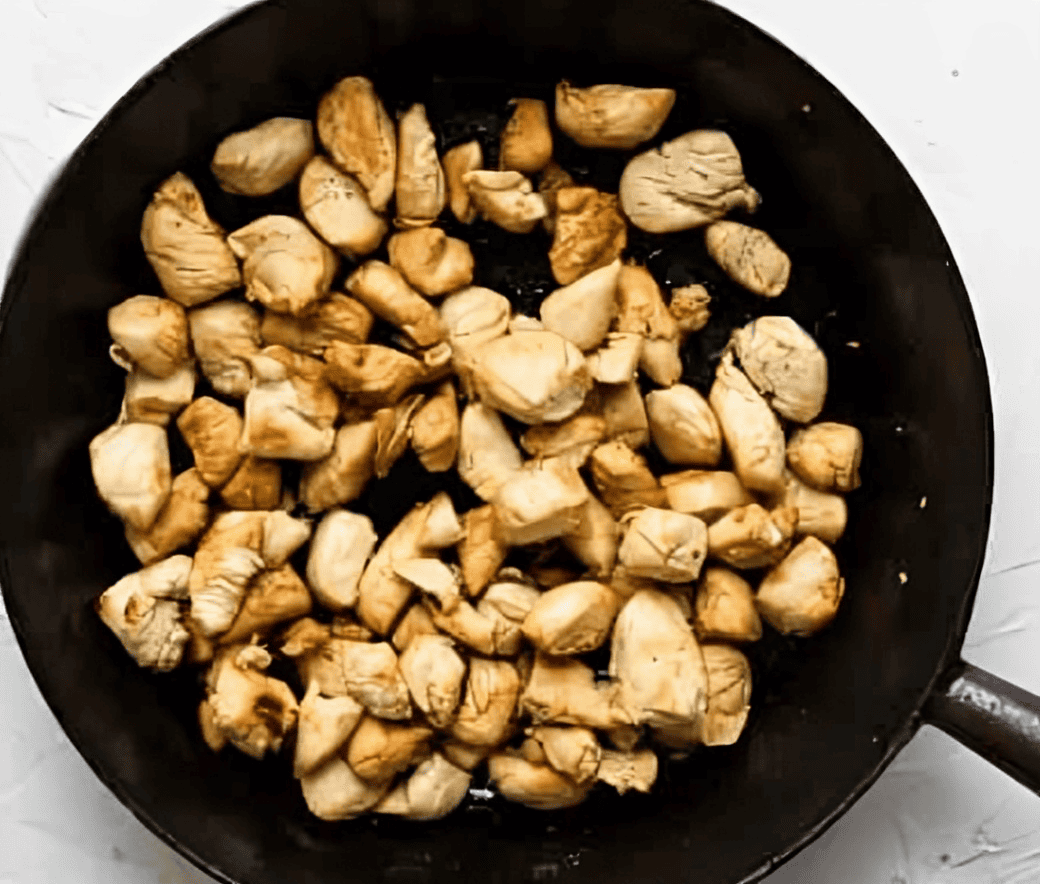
(871,268)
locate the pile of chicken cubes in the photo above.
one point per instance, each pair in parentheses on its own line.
(422,655)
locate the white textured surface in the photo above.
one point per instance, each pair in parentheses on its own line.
(951,85)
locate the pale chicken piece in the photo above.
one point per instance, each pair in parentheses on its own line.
(588,233)
(552,180)
(571,619)
(573,751)
(263,159)
(149,334)
(392,432)
(415,622)
(473,316)
(420,193)
(464,756)
(542,501)
(373,678)
(335,318)
(749,257)
(751,430)
(291,408)
(380,749)
(571,441)
(583,310)
(334,792)
(820,513)
(434,673)
(340,548)
(689,308)
(506,199)
(243,706)
(683,426)
(506,604)
(324,726)
(256,485)
(273,597)
(356,130)
(658,663)
(827,456)
(617,358)
(526,141)
(562,690)
(594,542)
(185,247)
(153,400)
(385,292)
(663,545)
(337,207)
(485,715)
(623,479)
(130,463)
(752,537)
(343,475)
(433,791)
(533,376)
(434,430)
(641,310)
(624,585)
(212,430)
(534,785)
(282,536)
(493,636)
(488,457)
(725,608)
(611,115)
(143,610)
(457,162)
(225,337)
(430,261)
(482,550)
(706,494)
(374,376)
(801,595)
(180,521)
(628,770)
(442,527)
(440,582)
(729,694)
(285,266)
(624,410)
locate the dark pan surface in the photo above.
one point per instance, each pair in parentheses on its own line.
(873,280)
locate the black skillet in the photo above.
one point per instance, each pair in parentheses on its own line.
(874,281)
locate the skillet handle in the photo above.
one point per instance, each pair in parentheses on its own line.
(996,719)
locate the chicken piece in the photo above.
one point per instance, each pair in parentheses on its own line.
(434,430)
(827,456)
(706,494)
(507,602)
(131,468)
(482,550)
(535,376)
(485,716)
(570,441)
(623,479)
(534,785)
(342,544)
(628,770)
(143,611)
(612,116)
(573,751)
(373,375)
(663,545)
(725,608)
(442,527)
(343,475)
(263,159)
(583,311)
(464,756)
(420,187)
(433,791)
(186,249)
(150,400)
(588,233)
(430,261)
(616,360)
(380,749)
(285,266)
(562,690)
(552,180)
(594,542)
(150,334)
(683,426)
(212,430)
(392,432)
(493,636)
(440,582)
(373,678)
(384,291)
(488,457)
(356,130)
(624,411)
(506,199)
(526,141)
(641,310)
(801,595)
(753,435)
(335,318)
(689,308)
(243,706)
(434,673)
(337,207)
(334,792)
(345,626)
(457,162)
(542,501)
(749,257)
(256,485)
(325,724)
(291,409)
(752,537)
(415,622)
(729,694)
(686,182)
(226,336)
(474,316)
(820,514)
(571,619)
(273,597)
(180,521)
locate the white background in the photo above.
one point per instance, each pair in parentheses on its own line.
(951,85)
